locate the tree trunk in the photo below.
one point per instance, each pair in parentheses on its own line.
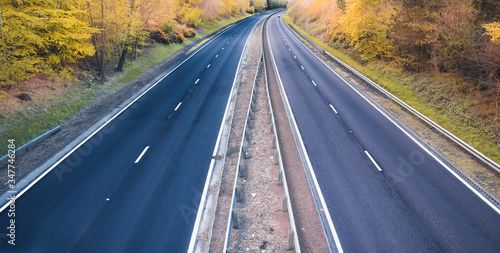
(498,97)
(103,45)
(435,61)
(122,59)
(1,29)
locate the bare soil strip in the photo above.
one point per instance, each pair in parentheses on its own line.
(262,224)
(249,66)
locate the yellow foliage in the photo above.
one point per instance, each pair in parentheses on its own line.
(493,30)
(365,24)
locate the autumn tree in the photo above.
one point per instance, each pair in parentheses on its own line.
(493,30)
(40,37)
(365,24)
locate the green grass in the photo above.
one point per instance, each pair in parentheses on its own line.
(27,124)
(399,83)
(209,27)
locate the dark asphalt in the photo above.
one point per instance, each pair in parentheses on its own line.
(414,205)
(100,200)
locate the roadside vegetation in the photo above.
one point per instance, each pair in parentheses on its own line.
(441,57)
(57,57)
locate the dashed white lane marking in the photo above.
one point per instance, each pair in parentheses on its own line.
(302,67)
(140,156)
(197,80)
(216,56)
(222,48)
(295,57)
(373,161)
(333,108)
(208,66)
(316,86)
(177,107)
(289,49)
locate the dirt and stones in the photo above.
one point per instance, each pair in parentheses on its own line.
(262,226)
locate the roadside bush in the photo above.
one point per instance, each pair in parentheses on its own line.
(177,37)
(159,36)
(189,32)
(166,33)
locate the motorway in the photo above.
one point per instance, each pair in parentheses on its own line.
(384,191)
(135,186)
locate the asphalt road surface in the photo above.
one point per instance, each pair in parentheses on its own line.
(384,192)
(136,185)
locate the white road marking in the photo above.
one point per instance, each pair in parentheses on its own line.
(373,161)
(333,108)
(197,80)
(208,66)
(177,107)
(316,86)
(222,48)
(295,57)
(140,156)
(289,49)
(216,56)
(302,67)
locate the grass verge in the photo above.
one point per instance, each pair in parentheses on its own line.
(405,86)
(49,112)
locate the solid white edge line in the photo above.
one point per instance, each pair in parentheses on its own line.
(209,175)
(333,108)
(373,161)
(197,80)
(496,209)
(301,142)
(107,122)
(140,156)
(177,107)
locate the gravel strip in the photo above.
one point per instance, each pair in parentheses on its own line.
(262,224)
(249,65)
